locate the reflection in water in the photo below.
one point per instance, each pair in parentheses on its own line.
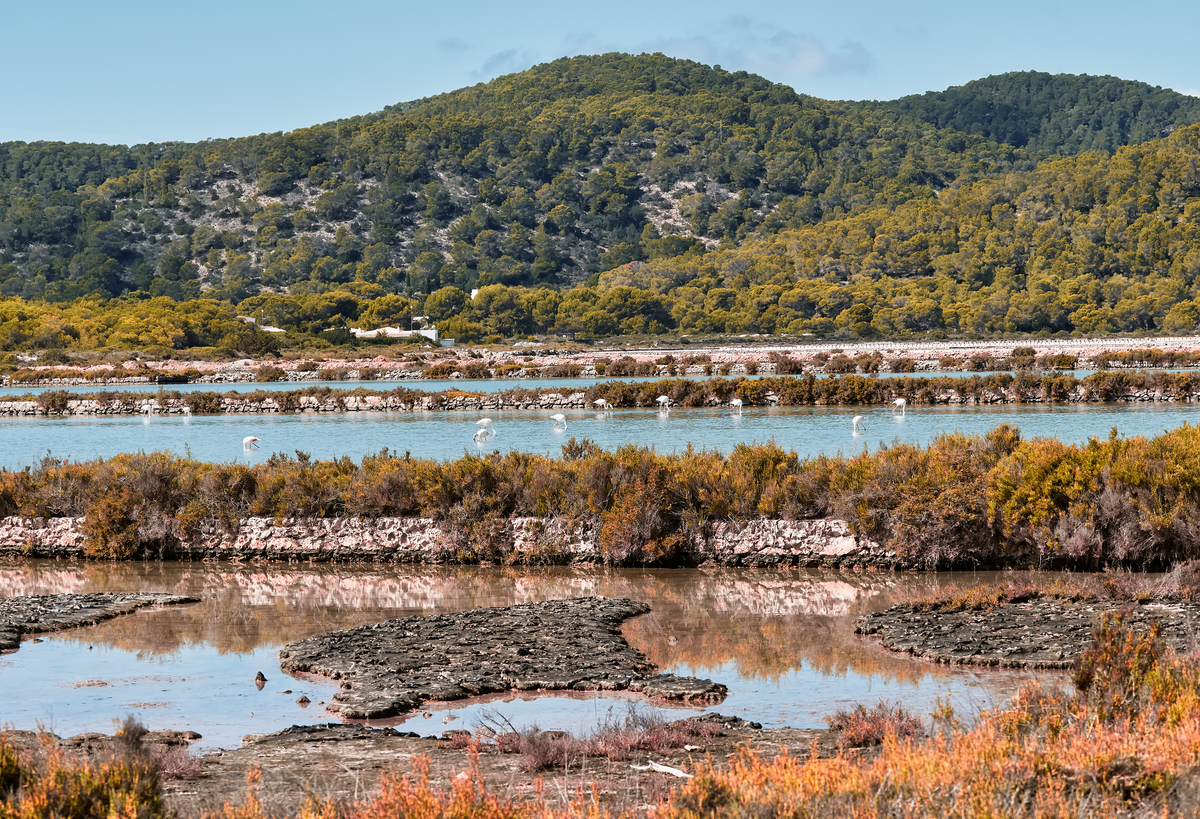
(782,641)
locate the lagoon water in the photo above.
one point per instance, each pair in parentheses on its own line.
(809,431)
(782,641)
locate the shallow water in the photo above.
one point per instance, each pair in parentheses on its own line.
(782,641)
(808,431)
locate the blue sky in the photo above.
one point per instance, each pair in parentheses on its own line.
(129,71)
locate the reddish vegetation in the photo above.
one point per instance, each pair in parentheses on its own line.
(861,726)
(1124,744)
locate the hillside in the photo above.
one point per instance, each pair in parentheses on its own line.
(542,177)
(621,195)
(1054,113)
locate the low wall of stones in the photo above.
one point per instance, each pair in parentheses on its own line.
(151,406)
(757,543)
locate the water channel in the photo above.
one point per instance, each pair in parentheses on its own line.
(809,431)
(782,641)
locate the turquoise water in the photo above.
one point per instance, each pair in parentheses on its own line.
(809,431)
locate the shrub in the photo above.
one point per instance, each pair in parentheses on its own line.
(53,401)
(862,726)
(268,373)
(785,365)
(839,364)
(203,403)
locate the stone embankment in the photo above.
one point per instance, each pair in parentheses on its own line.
(1042,633)
(557,645)
(757,543)
(513,400)
(56,612)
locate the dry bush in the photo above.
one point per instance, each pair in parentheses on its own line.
(617,738)
(861,726)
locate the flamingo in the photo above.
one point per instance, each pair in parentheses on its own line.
(664,403)
(859,426)
(736,403)
(249,443)
(486,423)
(899,403)
(601,404)
(480,436)
(560,420)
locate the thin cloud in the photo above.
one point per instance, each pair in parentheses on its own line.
(504,62)
(741,43)
(775,56)
(454,45)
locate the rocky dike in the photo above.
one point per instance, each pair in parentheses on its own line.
(522,399)
(392,667)
(823,543)
(1043,633)
(41,614)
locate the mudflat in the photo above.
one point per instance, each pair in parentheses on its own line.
(40,614)
(1042,633)
(391,667)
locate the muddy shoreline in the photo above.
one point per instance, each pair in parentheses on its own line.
(344,763)
(1043,633)
(392,667)
(42,614)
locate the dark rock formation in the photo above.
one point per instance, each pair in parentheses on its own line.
(56,612)
(1043,633)
(391,667)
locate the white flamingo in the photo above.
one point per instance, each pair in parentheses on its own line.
(560,420)
(664,403)
(486,423)
(736,403)
(859,426)
(187,410)
(900,404)
(249,443)
(601,404)
(480,436)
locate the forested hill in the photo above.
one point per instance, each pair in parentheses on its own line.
(625,194)
(1054,113)
(544,177)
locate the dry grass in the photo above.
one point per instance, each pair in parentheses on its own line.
(617,739)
